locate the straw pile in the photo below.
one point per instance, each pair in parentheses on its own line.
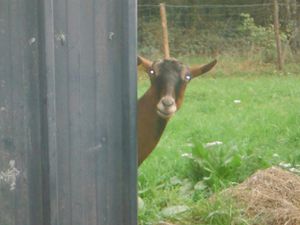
(270,197)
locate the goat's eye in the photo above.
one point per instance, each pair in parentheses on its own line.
(188,77)
(151,72)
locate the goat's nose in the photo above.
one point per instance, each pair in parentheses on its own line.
(167,101)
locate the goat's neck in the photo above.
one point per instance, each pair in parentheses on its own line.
(150,125)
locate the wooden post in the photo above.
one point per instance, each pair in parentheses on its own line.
(277,35)
(165,30)
(288,10)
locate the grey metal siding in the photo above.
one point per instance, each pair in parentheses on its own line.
(67,111)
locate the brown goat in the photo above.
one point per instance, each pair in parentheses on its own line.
(169,79)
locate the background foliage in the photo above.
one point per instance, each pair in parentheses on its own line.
(214,27)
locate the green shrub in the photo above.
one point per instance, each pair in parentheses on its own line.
(239,36)
(260,39)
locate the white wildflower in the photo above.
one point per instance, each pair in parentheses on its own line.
(212,144)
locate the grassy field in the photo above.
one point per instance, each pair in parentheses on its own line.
(176,181)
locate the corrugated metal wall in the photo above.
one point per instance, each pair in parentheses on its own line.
(20,136)
(67,112)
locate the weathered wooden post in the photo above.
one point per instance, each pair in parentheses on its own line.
(164,24)
(277,35)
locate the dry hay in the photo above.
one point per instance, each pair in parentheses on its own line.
(270,197)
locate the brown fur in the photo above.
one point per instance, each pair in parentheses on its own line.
(150,125)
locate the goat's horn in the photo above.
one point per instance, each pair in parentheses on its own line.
(145,62)
(198,70)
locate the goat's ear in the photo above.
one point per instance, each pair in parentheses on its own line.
(198,70)
(144,62)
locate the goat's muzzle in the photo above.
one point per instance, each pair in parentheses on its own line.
(166,107)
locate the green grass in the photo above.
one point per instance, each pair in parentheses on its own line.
(263,130)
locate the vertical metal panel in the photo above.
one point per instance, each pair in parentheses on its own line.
(67,111)
(19,114)
(90,60)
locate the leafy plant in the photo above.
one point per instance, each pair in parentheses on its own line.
(221,166)
(260,38)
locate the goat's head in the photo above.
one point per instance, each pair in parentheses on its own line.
(169,79)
